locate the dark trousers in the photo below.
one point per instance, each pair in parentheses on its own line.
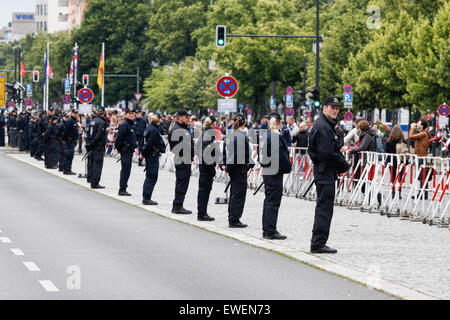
(80,143)
(238,192)
(69,153)
(95,165)
(183,175)
(2,136)
(151,176)
(51,153)
(324,214)
(273,189)
(126,159)
(205,182)
(61,155)
(21,143)
(33,146)
(40,147)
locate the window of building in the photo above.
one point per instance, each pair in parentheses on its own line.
(45,26)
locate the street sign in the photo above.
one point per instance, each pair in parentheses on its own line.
(348,116)
(138,96)
(309,96)
(290,112)
(241,107)
(443,121)
(273,103)
(348,88)
(348,100)
(29,89)
(2,89)
(66,99)
(289,100)
(226,105)
(67,86)
(289,90)
(444,110)
(29,102)
(227,86)
(86,95)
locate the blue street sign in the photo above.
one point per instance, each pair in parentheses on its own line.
(308,103)
(272,103)
(348,97)
(67,86)
(241,106)
(29,88)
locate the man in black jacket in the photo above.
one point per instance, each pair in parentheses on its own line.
(96,144)
(70,140)
(181,140)
(139,127)
(2,128)
(324,150)
(125,144)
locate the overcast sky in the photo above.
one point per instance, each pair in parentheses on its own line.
(10,6)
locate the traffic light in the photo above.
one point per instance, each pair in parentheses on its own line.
(35,76)
(221,36)
(316,98)
(85,80)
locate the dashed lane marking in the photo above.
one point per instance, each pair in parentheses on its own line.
(17,252)
(5,240)
(48,286)
(31,266)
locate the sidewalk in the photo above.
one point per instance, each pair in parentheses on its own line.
(402,258)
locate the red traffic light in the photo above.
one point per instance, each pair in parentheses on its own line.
(35,76)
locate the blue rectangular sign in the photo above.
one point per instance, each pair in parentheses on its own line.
(348,97)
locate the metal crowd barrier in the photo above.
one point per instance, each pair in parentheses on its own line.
(395,185)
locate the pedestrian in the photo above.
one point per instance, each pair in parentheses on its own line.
(396,137)
(179,136)
(112,132)
(237,162)
(2,127)
(60,141)
(51,144)
(96,144)
(153,147)
(207,167)
(140,125)
(421,137)
(70,140)
(324,150)
(126,144)
(274,166)
(32,134)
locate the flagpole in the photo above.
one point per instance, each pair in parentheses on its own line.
(103,75)
(21,79)
(75,73)
(46,71)
(43,87)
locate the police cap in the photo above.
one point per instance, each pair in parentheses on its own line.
(331,101)
(275,115)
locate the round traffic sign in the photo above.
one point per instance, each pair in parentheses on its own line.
(444,110)
(227,86)
(290,112)
(289,90)
(348,116)
(348,88)
(86,95)
(66,99)
(28,102)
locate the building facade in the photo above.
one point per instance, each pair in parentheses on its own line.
(22,24)
(59,15)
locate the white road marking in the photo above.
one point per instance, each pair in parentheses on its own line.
(5,240)
(48,286)
(31,266)
(17,252)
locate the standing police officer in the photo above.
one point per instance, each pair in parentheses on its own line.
(70,139)
(236,158)
(40,137)
(96,144)
(179,136)
(32,134)
(324,150)
(140,126)
(273,170)
(2,128)
(125,144)
(207,168)
(60,140)
(152,149)
(51,145)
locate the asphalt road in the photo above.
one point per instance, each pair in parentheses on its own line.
(61,241)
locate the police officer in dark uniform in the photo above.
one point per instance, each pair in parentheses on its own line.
(324,150)
(26,135)
(140,126)
(274,166)
(207,167)
(39,136)
(22,128)
(237,161)
(32,135)
(70,139)
(51,148)
(11,125)
(2,128)
(179,136)
(60,140)
(153,147)
(125,144)
(43,128)
(96,144)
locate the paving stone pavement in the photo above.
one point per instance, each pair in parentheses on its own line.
(407,259)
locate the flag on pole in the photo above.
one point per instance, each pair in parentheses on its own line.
(71,72)
(101,72)
(22,69)
(47,69)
